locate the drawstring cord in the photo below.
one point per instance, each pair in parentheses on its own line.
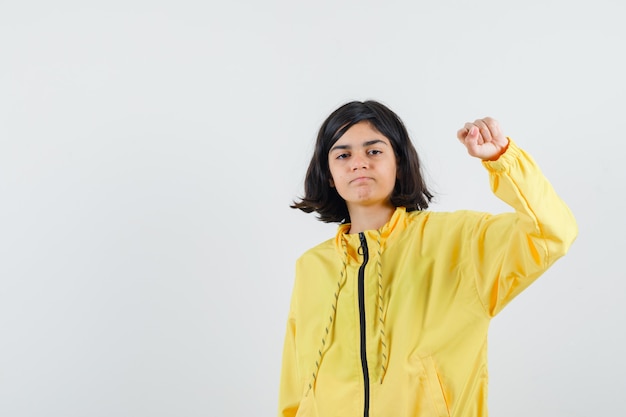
(381,312)
(332,313)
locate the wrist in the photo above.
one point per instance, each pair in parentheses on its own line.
(498,154)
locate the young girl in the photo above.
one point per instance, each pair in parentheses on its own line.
(390,317)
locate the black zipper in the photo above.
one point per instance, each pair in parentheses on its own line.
(366,378)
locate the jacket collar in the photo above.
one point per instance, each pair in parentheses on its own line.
(349,243)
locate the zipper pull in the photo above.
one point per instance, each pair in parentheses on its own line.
(363,248)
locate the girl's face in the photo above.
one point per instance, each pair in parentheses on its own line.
(363,167)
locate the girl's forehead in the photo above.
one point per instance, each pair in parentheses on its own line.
(363,131)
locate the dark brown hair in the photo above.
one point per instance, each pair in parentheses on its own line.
(410,190)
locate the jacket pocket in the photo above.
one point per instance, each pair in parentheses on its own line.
(429,393)
(436,387)
(308,406)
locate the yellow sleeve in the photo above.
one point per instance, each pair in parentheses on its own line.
(290,389)
(511,250)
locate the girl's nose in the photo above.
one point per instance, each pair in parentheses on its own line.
(359,162)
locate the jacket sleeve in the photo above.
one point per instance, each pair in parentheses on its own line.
(290,389)
(511,250)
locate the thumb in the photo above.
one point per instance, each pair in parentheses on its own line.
(473,141)
(472,135)
(465,132)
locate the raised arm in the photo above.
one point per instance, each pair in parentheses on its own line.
(510,250)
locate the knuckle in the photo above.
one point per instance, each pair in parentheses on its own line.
(491,122)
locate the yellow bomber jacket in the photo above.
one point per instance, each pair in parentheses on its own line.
(393,322)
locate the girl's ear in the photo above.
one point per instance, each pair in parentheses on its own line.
(331,182)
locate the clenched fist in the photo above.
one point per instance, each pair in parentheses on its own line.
(483,139)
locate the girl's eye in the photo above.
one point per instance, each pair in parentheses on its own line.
(375,152)
(342,156)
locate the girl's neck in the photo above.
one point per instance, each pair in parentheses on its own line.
(369,218)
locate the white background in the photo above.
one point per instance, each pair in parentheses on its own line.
(149,151)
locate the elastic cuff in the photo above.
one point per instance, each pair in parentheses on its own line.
(508,158)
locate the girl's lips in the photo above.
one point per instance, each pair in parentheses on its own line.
(361,179)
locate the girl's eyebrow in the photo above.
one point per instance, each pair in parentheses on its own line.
(365,144)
